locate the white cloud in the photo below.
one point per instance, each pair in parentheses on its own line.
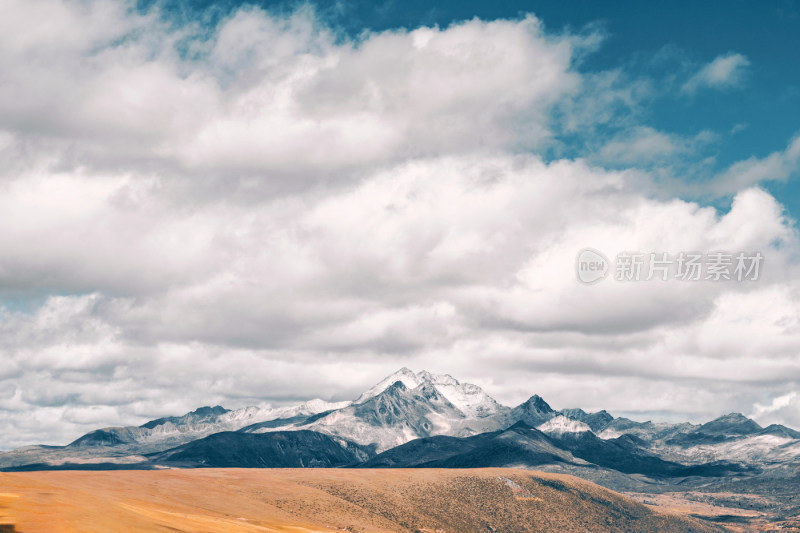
(777,166)
(436,261)
(283,213)
(271,102)
(782,409)
(642,145)
(723,72)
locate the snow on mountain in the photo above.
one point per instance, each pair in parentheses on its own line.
(394,416)
(403,411)
(597,421)
(408,405)
(199,423)
(647,431)
(233,420)
(732,437)
(560,425)
(466,397)
(470,399)
(114,444)
(752,450)
(424,404)
(405,376)
(311,407)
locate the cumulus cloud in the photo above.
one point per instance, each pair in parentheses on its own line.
(443,263)
(723,72)
(781,409)
(268,211)
(269,102)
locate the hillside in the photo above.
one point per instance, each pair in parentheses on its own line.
(314,500)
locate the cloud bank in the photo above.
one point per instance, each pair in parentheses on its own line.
(269,211)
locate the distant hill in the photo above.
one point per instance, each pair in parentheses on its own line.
(258,500)
(283,449)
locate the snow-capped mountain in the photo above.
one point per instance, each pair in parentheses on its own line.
(419,419)
(406,406)
(124,444)
(731,437)
(425,408)
(597,421)
(647,431)
(200,423)
(405,376)
(393,417)
(470,399)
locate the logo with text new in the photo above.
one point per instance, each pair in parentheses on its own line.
(591,266)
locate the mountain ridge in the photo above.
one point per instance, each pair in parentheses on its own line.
(434,411)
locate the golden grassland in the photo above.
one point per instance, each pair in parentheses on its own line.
(321,500)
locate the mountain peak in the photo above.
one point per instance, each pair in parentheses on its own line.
(405,375)
(537,402)
(201,413)
(207,411)
(597,420)
(730,424)
(440,379)
(732,416)
(469,399)
(534,411)
(780,431)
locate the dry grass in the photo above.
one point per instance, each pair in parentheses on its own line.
(311,500)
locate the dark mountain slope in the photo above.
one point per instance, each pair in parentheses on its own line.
(723,429)
(281,449)
(518,445)
(533,412)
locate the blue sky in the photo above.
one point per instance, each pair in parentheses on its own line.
(215,203)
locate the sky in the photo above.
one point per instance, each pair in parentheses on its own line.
(258,204)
